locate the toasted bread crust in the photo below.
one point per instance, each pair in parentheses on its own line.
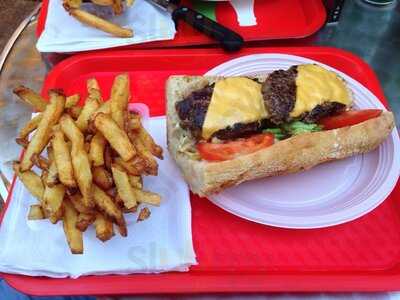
(292,155)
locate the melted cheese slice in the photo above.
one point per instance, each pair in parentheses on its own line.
(234,100)
(316,85)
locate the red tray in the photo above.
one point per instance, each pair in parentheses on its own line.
(241,256)
(278,19)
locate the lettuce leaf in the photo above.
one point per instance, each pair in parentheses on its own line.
(293,128)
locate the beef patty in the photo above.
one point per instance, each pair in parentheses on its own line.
(279,92)
(192,112)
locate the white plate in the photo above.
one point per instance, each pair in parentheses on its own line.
(329,194)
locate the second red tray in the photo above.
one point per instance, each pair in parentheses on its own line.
(236,255)
(278,19)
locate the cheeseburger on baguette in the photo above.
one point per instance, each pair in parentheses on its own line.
(224,131)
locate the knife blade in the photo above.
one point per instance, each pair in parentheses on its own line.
(228,39)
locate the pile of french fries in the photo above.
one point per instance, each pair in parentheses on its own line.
(96,157)
(73,8)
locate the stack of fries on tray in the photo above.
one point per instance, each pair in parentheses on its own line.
(96,156)
(73,7)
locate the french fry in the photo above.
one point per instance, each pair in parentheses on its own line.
(147,197)
(134,121)
(135,167)
(129,2)
(41,162)
(73,234)
(63,160)
(30,97)
(96,152)
(80,159)
(102,178)
(150,162)
(119,98)
(72,100)
(117,138)
(103,2)
(74,112)
(136,181)
(30,126)
(73,3)
(107,205)
(117,7)
(143,214)
(149,143)
(53,199)
(122,229)
(52,174)
(108,158)
(35,212)
(84,220)
(99,23)
(104,227)
(105,108)
(31,181)
(77,201)
(22,142)
(91,105)
(124,188)
(43,132)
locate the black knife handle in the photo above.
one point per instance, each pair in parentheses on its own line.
(229,40)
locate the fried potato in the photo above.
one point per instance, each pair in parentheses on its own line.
(108,158)
(80,159)
(51,177)
(73,3)
(31,181)
(41,162)
(43,133)
(149,143)
(136,181)
(117,138)
(103,2)
(63,160)
(77,201)
(35,212)
(97,147)
(72,100)
(99,23)
(74,112)
(124,188)
(105,108)
(102,178)
(147,197)
(30,97)
(22,142)
(144,214)
(134,121)
(30,126)
(122,229)
(119,98)
(53,199)
(117,7)
(129,2)
(151,165)
(104,227)
(91,105)
(73,234)
(107,205)
(84,220)
(135,167)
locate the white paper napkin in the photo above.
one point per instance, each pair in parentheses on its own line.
(161,243)
(63,33)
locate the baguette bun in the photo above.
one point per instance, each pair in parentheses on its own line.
(298,153)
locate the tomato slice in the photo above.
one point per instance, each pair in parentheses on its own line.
(348,118)
(232,149)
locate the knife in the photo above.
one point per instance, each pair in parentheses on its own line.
(229,40)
